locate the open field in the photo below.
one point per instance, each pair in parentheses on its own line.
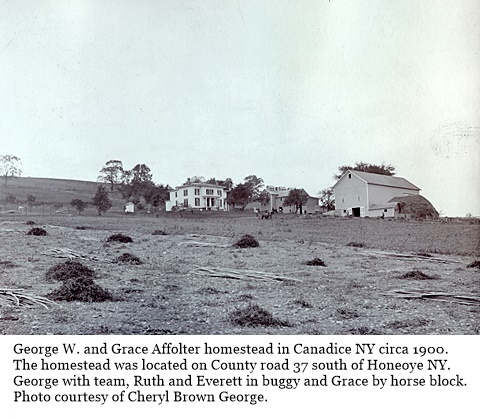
(175,290)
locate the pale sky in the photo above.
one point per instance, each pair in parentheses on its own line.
(285,90)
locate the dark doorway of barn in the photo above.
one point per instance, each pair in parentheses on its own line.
(356,212)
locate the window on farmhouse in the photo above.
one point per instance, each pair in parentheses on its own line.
(343,200)
(358,198)
(185,203)
(197,192)
(219,192)
(349,176)
(197,201)
(185,192)
(220,203)
(209,191)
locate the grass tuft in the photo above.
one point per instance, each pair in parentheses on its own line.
(68,270)
(39,232)
(119,238)
(81,289)
(303,303)
(316,262)
(418,275)
(159,232)
(246,241)
(254,316)
(475,264)
(129,259)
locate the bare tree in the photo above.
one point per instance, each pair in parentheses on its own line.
(9,167)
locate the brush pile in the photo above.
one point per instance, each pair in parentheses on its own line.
(82,289)
(475,264)
(246,241)
(68,270)
(129,259)
(418,275)
(77,283)
(119,238)
(39,232)
(254,316)
(315,262)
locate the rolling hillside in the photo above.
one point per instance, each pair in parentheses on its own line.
(48,191)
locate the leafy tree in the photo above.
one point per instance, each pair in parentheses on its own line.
(240,195)
(101,200)
(9,167)
(126,177)
(137,182)
(11,199)
(227,183)
(264,198)
(195,179)
(297,198)
(156,195)
(255,184)
(57,205)
(31,200)
(385,169)
(243,193)
(112,173)
(140,173)
(78,204)
(137,189)
(327,199)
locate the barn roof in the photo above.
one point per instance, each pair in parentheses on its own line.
(381,180)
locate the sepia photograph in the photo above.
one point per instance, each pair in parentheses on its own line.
(239,167)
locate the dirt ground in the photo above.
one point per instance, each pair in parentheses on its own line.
(356,292)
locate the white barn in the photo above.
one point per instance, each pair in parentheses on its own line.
(363,194)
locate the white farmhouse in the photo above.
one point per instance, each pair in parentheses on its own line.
(200,196)
(363,194)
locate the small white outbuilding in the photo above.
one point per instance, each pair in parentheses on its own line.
(130,207)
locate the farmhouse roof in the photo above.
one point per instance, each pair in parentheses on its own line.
(284,192)
(199,184)
(381,180)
